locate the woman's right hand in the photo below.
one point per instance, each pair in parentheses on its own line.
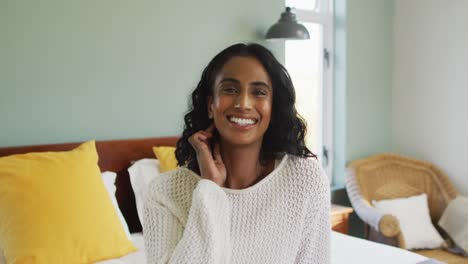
(211,164)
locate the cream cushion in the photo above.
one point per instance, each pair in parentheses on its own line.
(142,172)
(414,219)
(455,221)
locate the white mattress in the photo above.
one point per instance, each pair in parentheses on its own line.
(348,249)
(344,250)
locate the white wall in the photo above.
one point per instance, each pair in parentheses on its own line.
(430,84)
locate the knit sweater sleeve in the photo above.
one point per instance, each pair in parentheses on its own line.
(202,236)
(315,244)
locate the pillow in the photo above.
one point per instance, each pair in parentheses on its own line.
(166,157)
(142,172)
(415,221)
(108,178)
(454,221)
(54,208)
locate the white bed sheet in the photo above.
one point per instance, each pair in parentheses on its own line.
(348,249)
(344,250)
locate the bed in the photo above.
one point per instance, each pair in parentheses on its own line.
(345,249)
(118,156)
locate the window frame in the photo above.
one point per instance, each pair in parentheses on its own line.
(323,14)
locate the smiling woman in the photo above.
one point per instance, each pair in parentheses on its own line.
(247,190)
(241,101)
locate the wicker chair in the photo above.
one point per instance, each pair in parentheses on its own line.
(388,176)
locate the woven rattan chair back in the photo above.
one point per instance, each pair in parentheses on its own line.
(388,176)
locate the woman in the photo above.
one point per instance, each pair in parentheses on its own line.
(248,190)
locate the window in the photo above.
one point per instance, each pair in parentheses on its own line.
(310,65)
(302,4)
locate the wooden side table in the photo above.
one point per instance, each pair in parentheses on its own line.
(339,218)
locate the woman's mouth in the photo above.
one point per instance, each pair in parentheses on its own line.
(242,121)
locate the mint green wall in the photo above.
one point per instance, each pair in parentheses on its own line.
(369,77)
(339,94)
(77,70)
(363,81)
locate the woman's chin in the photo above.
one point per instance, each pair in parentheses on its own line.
(238,139)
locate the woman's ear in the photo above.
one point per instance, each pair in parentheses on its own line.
(210,103)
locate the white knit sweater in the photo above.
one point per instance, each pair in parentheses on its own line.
(284,218)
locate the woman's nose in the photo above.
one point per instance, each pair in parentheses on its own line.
(243,101)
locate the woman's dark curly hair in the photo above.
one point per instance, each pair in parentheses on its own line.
(287,129)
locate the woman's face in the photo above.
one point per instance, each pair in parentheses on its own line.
(242,101)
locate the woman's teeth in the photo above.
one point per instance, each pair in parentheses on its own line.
(242,121)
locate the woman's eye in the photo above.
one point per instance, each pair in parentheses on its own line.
(260,92)
(229,89)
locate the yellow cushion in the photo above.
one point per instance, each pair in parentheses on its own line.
(54,209)
(166,157)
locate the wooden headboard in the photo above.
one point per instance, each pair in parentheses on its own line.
(116,156)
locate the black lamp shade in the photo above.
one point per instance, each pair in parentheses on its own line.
(287,28)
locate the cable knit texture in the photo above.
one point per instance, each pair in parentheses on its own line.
(284,218)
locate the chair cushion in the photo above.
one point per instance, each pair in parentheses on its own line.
(454,221)
(414,219)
